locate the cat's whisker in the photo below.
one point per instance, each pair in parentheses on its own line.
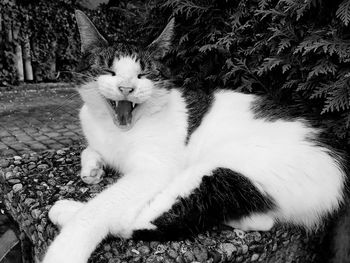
(67,101)
(76,73)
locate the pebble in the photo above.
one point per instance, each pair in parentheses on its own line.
(200,253)
(51,181)
(4,163)
(239,259)
(14,181)
(209,242)
(228,249)
(17,169)
(17,158)
(254,257)
(35,213)
(262,256)
(60,152)
(172,253)
(43,166)
(285,243)
(160,249)
(35,199)
(179,259)
(84,189)
(33,158)
(31,166)
(17,187)
(9,175)
(144,250)
(189,257)
(175,245)
(244,249)
(239,233)
(274,248)
(135,251)
(107,247)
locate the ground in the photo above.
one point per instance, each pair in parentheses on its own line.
(38,117)
(34,118)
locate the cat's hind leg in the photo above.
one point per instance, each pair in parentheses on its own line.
(199,200)
(91,166)
(64,210)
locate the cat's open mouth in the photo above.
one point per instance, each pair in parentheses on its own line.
(122,111)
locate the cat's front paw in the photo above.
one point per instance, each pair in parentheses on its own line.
(64,251)
(63,210)
(93,175)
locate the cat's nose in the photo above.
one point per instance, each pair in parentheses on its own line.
(126,90)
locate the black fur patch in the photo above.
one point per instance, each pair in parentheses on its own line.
(265,108)
(223,196)
(198,104)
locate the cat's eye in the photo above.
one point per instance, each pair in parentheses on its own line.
(109,71)
(141,75)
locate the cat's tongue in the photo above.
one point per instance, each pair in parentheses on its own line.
(123,110)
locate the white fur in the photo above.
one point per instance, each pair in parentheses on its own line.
(280,160)
(126,70)
(92,166)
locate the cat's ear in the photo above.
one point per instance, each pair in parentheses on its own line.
(89,35)
(160,47)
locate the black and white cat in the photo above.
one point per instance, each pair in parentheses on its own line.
(189,160)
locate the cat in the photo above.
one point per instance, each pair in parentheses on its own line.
(190,160)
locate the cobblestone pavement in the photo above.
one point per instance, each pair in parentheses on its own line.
(34,118)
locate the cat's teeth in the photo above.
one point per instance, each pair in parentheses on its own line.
(133,105)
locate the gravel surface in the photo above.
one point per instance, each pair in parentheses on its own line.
(31,183)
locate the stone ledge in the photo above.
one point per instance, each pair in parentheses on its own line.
(32,183)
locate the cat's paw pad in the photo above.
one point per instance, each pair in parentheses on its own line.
(258,222)
(63,210)
(92,176)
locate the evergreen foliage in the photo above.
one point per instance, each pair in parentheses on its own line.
(296,52)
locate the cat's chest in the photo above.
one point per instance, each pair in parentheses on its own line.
(159,136)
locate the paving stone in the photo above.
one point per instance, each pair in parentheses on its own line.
(66,141)
(18,146)
(3,146)
(13,128)
(18,132)
(45,129)
(24,138)
(48,142)
(4,133)
(53,134)
(30,130)
(8,152)
(68,134)
(41,137)
(57,146)
(8,140)
(32,121)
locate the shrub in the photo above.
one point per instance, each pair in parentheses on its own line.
(294,51)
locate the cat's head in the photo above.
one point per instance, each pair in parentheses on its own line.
(125,78)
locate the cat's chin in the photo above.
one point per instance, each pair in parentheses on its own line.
(122,112)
